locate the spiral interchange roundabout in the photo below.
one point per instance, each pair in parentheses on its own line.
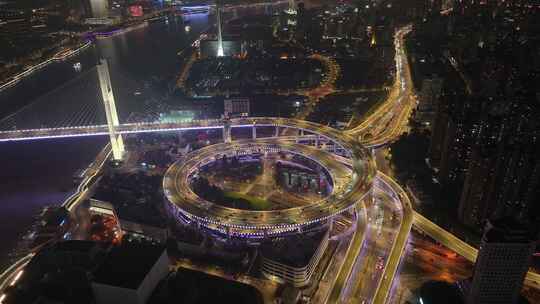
(352,177)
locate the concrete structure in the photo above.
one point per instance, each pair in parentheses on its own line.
(102,208)
(429,98)
(220,38)
(129,274)
(236,107)
(298,275)
(503,260)
(143,231)
(209,48)
(227,138)
(99,8)
(352,181)
(117,143)
(291,10)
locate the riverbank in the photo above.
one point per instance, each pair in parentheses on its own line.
(117,31)
(59,56)
(29,184)
(87,38)
(40,173)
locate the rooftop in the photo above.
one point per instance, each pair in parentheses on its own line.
(296,250)
(507,230)
(127,265)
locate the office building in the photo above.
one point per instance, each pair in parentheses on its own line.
(129,274)
(99,8)
(298,265)
(429,96)
(502,263)
(236,107)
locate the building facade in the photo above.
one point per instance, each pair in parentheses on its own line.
(502,263)
(297,275)
(236,107)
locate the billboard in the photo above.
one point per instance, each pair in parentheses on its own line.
(136,10)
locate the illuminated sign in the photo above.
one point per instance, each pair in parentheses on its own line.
(136,11)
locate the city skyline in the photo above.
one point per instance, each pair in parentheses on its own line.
(305,152)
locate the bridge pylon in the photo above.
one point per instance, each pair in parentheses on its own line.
(227,137)
(117,143)
(220,52)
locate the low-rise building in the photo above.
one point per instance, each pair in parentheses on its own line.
(129,274)
(142,231)
(293,259)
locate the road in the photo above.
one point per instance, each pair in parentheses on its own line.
(391,119)
(425,260)
(460,247)
(9,276)
(384,218)
(353,251)
(390,125)
(349,188)
(398,249)
(366,247)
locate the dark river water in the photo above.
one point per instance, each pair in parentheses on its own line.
(35,174)
(38,173)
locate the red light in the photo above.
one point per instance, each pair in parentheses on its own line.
(136,10)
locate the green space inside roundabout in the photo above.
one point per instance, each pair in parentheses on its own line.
(255,203)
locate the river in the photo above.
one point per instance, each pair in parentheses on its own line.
(143,64)
(39,173)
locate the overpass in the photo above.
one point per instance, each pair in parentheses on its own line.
(384,125)
(388,121)
(303,128)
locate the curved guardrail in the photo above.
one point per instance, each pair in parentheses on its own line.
(347,192)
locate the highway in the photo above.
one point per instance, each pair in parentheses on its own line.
(10,275)
(384,125)
(390,120)
(348,189)
(353,251)
(460,247)
(398,249)
(149,127)
(384,221)
(367,247)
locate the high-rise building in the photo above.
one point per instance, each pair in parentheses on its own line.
(458,130)
(429,96)
(438,133)
(99,8)
(502,263)
(485,145)
(504,172)
(480,182)
(236,107)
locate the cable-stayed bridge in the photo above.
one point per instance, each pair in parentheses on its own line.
(81,109)
(92,111)
(80,103)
